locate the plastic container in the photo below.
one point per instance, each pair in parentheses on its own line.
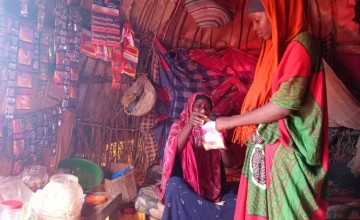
(13,188)
(35,177)
(89,174)
(11,210)
(61,198)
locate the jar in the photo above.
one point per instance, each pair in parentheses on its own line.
(35,177)
(11,210)
(62,198)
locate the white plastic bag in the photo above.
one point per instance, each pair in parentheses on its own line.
(212,138)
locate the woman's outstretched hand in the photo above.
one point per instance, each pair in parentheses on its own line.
(265,114)
(198,119)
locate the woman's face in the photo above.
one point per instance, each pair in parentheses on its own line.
(203,106)
(261,25)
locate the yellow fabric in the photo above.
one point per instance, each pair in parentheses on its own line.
(284,28)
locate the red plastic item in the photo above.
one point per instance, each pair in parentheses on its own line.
(11,204)
(92,199)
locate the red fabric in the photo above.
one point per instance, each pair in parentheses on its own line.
(229,60)
(229,96)
(201,169)
(299,69)
(350,75)
(318,90)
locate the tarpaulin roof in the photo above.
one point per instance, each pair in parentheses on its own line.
(175,27)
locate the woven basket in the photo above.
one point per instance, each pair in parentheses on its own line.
(209,13)
(124,184)
(144,95)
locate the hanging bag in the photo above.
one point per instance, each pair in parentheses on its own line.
(140,98)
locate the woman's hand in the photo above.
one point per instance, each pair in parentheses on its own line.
(198,119)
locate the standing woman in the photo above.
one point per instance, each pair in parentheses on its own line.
(283,120)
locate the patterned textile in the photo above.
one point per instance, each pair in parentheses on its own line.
(286,162)
(151,149)
(201,169)
(149,203)
(176,77)
(182,203)
(148,200)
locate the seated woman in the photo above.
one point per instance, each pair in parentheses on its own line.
(192,185)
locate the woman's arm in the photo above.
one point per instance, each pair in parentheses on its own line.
(265,114)
(196,119)
(183,137)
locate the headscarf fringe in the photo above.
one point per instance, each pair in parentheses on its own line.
(243,134)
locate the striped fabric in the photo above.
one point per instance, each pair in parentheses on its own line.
(151,148)
(178,78)
(209,13)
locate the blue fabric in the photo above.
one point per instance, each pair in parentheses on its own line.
(182,203)
(183,78)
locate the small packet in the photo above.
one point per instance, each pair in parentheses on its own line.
(212,138)
(22,102)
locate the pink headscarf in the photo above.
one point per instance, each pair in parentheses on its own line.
(193,158)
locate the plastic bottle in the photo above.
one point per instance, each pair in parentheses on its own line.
(11,210)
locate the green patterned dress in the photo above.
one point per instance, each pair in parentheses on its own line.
(286,161)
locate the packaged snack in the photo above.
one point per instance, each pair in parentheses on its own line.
(212,138)
(59,77)
(74,73)
(25,56)
(22,102)
(85,43)
(24,80)
(18,126)
(26,33)
(18,147)
(3,73)
(73,92)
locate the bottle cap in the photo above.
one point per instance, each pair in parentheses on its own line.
(11,204)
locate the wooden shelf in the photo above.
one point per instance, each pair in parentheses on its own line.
(102,211)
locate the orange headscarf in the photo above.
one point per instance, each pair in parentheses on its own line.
(287,21)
